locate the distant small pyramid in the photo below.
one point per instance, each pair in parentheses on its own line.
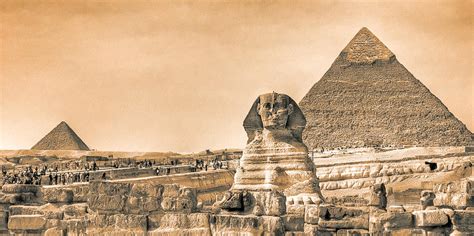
(367,98)
(62,137)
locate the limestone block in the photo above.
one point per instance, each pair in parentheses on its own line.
(52,223)
(171,190)
(338,217)
(380,221)
(273,225)
(51,211)
(237,224)
(270,203)
(100,221)
(359,222)
(311,214)
(10,198)
(352,232)
(102,202)
(180,220)
(54,232)
(74,211)
(179,224)
(173,232)
(136,204)
(463,220)
(455,200)
(154,220)
(3,218)
(405,232)
(296,209)
(176,204)
(397,220)
(395,209)
(339,212)
(326,232)
(293,223)
(109,188)
(74,227)
(430,218)
(26,222)
(24,210)
(178,199)
(130,221)
(28,198)
(233,200)
(146,190)
(311,230)
(20,188)
(56,195)
(80,192)
(295,233)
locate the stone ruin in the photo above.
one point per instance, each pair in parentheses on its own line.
(275,192)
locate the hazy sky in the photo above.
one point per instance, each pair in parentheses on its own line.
(181,75)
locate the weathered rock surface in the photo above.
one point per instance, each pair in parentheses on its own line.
(368,98)
(275,159)
(430,218)
(339,217)
(26,223)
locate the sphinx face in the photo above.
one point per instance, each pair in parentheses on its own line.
(274,110)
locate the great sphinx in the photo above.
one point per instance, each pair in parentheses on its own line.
(275,167)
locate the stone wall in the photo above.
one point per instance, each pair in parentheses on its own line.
(120,208)
(347,174)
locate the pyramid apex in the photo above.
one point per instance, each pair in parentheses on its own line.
(366,48)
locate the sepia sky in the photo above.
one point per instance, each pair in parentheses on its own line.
(181,75)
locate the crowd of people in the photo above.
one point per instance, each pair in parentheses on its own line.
(205,165)
(68,172)
(68,177)
(25,176)
(54,171)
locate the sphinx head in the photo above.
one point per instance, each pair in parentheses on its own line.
(274,110)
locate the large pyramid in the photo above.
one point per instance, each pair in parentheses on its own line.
(61,138)
(368,98)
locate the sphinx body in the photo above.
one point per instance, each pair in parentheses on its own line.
(275,158)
